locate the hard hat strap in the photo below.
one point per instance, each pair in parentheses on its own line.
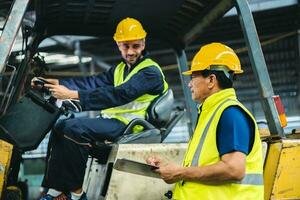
(223,69)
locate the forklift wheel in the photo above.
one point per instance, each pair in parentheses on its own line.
(12,193)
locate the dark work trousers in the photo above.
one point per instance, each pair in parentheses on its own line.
(66,158)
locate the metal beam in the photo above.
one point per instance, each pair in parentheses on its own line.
(77,52)
(190,104)
(262,5)
(259,67)
(217,12)
(11,30)
(298,38)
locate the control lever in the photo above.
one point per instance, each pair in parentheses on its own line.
(38,81)
(72,105)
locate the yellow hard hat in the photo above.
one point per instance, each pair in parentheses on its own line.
(215,56)
(129,29)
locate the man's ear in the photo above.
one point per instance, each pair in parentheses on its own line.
(119,45)
(212,81)
(144,43)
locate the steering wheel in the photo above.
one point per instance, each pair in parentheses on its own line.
(45,91)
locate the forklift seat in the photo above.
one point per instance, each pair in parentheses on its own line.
(158,123)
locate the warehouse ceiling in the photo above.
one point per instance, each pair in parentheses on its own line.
(169,21)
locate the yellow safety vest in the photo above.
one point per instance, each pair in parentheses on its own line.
(138,107)
(203,151)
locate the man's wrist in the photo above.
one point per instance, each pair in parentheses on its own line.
(73,94)
(182,172)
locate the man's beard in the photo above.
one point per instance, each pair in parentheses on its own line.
(133,59)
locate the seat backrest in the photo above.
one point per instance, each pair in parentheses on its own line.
(160,109)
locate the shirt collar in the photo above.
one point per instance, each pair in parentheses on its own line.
(218,97)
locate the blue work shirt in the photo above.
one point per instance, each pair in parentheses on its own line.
(235,131)
(98,92)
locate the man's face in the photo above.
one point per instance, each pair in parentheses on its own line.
(131,50)
(199,87)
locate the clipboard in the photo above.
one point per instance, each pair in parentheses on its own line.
(135,167)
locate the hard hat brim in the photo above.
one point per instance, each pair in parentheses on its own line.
(128,39)
(187,73)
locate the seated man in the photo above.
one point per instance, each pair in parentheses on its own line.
(122,93)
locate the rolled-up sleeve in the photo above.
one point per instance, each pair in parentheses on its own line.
(146,81)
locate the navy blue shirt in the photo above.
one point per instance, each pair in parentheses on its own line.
(98,92)
(235,131)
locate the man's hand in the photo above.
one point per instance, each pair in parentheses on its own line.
(154,161)
(169,172)
(61,92)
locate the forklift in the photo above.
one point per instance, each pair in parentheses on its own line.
(27,116)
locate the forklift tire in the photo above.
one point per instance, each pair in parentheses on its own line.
(12,193)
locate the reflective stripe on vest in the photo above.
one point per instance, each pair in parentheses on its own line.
(252,179)
(129,106)
(202,139)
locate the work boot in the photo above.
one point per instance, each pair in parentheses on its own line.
(47,197)
(59,197)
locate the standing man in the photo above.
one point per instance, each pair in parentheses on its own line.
(224,156)
(122,94)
